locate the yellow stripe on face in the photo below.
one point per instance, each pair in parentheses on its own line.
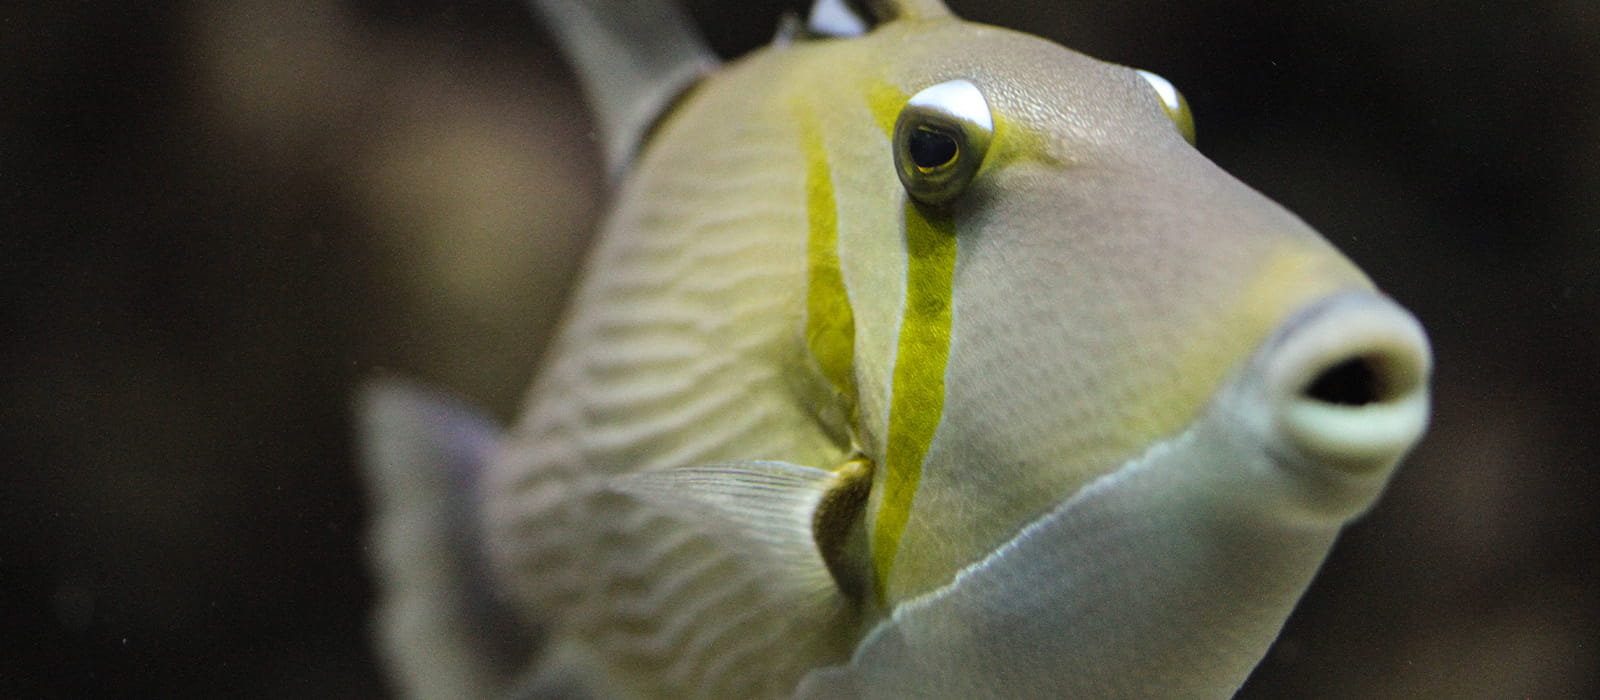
(830,322)
(917,399)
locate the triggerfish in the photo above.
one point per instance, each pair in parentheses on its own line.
(915,358)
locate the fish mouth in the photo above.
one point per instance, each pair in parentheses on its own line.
(1348,382)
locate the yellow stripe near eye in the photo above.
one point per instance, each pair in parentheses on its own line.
(917,400)
(830,322)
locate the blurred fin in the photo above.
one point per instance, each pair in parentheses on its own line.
(790,29)
(633,57)
(834,18)
(442,630)
(888,10)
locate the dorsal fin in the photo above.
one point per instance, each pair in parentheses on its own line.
(633,57)
(887,10)
(835,18)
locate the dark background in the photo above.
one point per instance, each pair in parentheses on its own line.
(218,218)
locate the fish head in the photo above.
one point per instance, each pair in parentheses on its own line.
(1073,288)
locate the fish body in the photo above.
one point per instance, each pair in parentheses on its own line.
(927,362)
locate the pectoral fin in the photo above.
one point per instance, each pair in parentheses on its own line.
(802,518)
(707,581)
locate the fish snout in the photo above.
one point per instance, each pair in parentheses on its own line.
(1348,383)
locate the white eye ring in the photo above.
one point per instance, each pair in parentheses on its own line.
(1164,88)
(1172,101)
(940,140)
(959,99)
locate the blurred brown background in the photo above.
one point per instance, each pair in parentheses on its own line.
(218,218)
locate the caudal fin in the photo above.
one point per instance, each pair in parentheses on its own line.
(443,633)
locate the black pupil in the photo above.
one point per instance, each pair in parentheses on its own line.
(930,148)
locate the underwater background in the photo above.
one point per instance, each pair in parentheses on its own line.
(218,218)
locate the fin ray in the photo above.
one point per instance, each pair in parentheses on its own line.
(766,502)
(693,572)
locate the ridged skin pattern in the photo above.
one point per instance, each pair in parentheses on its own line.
(677,351)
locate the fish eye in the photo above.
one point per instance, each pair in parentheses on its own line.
(940,140)
(931,148)
(1172,101)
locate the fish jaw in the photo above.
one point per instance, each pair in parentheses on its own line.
(1171,575)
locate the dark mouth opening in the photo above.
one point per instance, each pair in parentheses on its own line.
(1353,382)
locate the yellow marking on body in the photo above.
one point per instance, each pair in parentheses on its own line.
(1287,278)
(1013,142)
(917,399)
(830,321)
(885,102)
